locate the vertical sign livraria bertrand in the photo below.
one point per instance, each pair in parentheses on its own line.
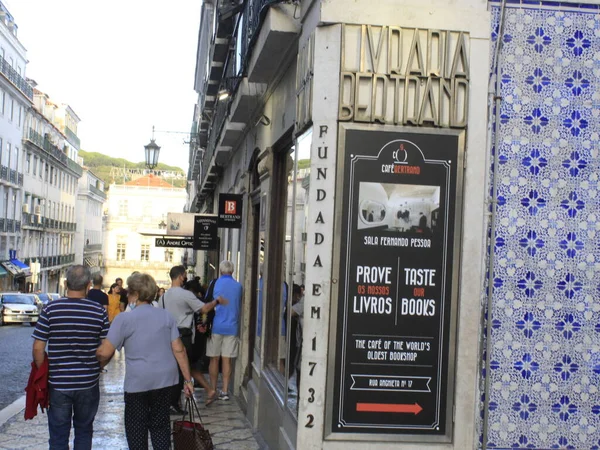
(397,285)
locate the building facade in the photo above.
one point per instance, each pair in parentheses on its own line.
(49,199)
(136,214)
(450,258)
(16,97)
(89,237)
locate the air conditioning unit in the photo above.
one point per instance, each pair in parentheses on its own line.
(37,210)
(38,218)
(26,208)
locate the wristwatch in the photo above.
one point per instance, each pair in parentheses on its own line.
(190,381)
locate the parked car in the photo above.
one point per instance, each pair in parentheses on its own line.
(44,297)
(19,308)
(55,296)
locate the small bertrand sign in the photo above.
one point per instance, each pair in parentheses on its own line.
(230,210)
(397,291)
(205,232)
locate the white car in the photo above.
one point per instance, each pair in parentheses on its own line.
(18,308)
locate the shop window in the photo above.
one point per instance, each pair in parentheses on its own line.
(285,264)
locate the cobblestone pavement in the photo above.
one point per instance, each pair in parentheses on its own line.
(15,360)
(227,424)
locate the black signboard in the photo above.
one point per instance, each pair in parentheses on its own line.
(205,232)
(230,210)
(396,288)
(186,242)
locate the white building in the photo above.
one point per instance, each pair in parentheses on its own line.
(16,96)
(51,179)
(89,209)
(136,215)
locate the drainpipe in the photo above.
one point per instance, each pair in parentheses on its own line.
(497,102)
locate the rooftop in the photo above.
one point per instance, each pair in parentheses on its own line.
(149,180)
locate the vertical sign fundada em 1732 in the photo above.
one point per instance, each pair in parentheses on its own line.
(399,225)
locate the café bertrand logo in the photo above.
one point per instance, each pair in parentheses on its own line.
(402,154)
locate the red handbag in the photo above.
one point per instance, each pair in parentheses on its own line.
(189,434)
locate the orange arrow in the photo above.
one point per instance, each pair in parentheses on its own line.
(389,408)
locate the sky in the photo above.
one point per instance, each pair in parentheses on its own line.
(123,66)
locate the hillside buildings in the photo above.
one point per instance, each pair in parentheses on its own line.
(136,213)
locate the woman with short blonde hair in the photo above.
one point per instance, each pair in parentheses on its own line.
(152,346)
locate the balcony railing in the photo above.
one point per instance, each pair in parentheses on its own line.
(97,191)
(253,15)
(13,76)
(92,248)
(17,226)
(2,225)
(4,173)
(74,167)
(13,176)
(10,225)
(72,137)
(20,179)
(46,144)
(51,261)
(139,265)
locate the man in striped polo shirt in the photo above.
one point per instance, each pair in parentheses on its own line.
(73,328)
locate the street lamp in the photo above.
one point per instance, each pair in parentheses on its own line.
(152,150)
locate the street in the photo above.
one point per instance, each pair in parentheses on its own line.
(15,359)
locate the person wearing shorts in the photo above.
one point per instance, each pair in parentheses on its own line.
(223,342)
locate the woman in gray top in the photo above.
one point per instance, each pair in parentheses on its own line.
(153,350)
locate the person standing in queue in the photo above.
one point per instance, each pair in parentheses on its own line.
(182,305)
(223,342)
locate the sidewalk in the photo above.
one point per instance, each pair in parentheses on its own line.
(227,424)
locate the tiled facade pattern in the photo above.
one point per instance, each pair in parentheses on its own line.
(545,359)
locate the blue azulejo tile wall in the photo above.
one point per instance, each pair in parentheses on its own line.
(545,358)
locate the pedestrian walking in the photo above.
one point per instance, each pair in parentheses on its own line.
(72,329)
(223,342)
(182,304)
(96,292)
(152,359)
(114,301)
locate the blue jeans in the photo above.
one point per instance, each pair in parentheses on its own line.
(80,406)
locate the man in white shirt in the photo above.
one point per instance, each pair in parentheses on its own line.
(182,305)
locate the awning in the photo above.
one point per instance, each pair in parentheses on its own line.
(11,268)
(20,264)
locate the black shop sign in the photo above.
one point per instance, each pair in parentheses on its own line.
(396,300)
(205,232)
(230,210)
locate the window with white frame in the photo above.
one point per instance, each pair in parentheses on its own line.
(145,253)
(121,251)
